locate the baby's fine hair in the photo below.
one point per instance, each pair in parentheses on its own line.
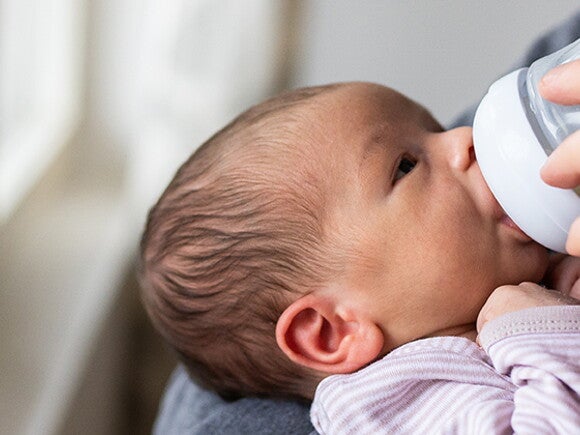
(236,237)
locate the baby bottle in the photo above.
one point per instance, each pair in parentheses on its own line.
(514,132)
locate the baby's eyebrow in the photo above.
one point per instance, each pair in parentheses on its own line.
(376,142)
(373,146)
(376,146)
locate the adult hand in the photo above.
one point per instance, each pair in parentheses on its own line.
(563,275)
(510,298)
(561,85)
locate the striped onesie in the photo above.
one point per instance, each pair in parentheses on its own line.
(524,379)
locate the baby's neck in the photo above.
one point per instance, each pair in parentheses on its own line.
(471,334)
(466,331)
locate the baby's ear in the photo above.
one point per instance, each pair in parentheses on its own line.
(314,332)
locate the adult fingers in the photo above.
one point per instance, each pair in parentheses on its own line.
(573,241)
(562,169)
(562,84)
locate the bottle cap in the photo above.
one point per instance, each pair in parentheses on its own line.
(510,157)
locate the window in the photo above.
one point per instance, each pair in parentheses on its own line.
(201,62)
(40,65)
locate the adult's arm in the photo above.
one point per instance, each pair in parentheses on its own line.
(188,409)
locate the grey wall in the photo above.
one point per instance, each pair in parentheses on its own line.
(442,53)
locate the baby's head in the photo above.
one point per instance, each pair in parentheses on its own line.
(318,231)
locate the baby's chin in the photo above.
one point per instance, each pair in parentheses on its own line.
(533,263)
(544,262)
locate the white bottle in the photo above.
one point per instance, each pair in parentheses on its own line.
(514,132)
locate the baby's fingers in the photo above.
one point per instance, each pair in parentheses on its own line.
(505,299)
(510,298)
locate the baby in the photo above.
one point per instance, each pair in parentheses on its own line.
(333,227)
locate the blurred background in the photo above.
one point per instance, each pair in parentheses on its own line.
(101,100)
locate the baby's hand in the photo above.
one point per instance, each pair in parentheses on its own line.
(510,298)
(564,275)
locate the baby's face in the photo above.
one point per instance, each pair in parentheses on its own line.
(426,242)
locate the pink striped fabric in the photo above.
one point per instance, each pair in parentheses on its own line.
(526,381)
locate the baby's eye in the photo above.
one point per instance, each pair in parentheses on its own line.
(405,166)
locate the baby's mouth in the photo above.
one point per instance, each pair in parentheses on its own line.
(503,218)
(497,211)
(507,221)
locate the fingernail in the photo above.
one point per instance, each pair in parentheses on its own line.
(546,172)
(551,158)
(552,76)
(547,164)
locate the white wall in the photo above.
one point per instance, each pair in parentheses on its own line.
(442,53)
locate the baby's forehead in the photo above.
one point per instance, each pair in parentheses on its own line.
(358,105)
(367,107)
(328,128)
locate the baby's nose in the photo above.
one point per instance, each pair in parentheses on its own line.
(458,145)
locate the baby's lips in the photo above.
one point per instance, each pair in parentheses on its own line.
(503,218)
